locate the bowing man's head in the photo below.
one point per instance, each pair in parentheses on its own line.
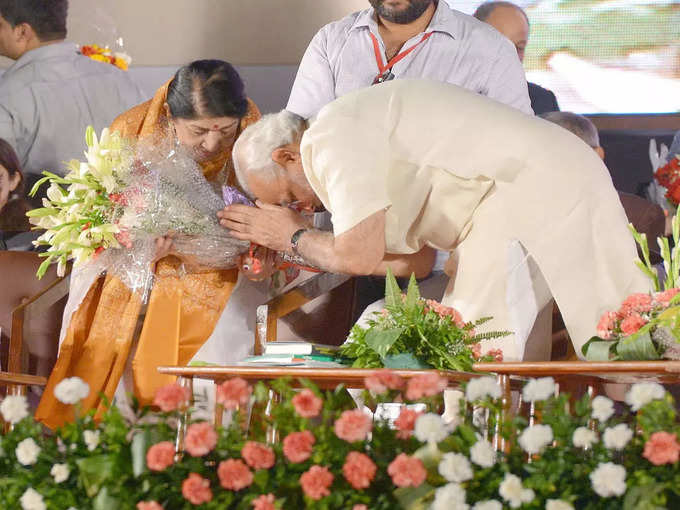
(268,163)
(28,24)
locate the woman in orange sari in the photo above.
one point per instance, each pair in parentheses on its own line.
(205,108)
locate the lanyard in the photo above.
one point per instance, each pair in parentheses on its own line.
(378,56)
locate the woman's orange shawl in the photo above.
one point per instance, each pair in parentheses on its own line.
(181,314)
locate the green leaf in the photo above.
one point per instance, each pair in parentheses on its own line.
(95,471)
(412,294)
(392,290)
(138,447)
(413,498)
(637,347)
(597,349)
(104,501)
(381,340)
(44,267)
(641,497)
(404,361)
(89,136)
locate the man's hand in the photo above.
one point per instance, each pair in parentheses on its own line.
(267,225)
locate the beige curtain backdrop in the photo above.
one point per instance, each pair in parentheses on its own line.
(173,32)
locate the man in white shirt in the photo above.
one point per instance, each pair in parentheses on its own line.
(445,45)
(526,210)
(52,93)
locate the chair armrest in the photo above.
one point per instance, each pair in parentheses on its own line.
(281,305)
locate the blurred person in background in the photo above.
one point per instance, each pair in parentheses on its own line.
(15,230)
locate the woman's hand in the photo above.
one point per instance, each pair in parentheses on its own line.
(164,247)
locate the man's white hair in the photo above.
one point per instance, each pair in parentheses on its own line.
(253,149)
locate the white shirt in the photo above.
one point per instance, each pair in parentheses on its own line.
(462,51)
(49,97)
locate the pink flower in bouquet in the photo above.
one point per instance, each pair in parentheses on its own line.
(171,397)
(476,350)
(257,455)
(632,323)
(196,489)
(160,456)
(307,404)
(123,237)
(264,502)
(640,303)
(233,393)
(297,446)
(664,298)
(149,505)
(383,380)
(496,354)
(606,325)
(406,422)
(316,481)
(359,507)
(425,385)
(359,470)
(407,471)
(662,448)
(201,438)
(444,311)
(234,474)
(353,426)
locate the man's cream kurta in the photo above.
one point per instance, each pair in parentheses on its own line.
(508,194)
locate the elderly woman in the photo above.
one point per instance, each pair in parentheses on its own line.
(205,108)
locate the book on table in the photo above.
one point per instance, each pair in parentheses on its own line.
(297,348)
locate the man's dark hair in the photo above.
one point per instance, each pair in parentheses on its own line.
(484,11)
(47,18)
(207,88)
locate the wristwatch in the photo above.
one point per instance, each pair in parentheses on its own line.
(295,239)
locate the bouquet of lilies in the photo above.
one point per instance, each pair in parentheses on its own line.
(124,197)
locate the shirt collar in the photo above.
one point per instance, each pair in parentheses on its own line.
(46,52)
(443,20)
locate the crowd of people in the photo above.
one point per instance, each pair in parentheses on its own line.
(410,123)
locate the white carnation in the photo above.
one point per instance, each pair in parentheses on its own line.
(71,390)
(603,408)
(450,497)
(91,438)
(60,472)
(584,437)
(430,428)
(558,504)
(14,408)
(539,389)
(642,394)
(533,439)
(27,452)
(512,491)
(455,467)
(481,387)
(608,480)
(617,437)
(32,500)
(483,454)
(489,504)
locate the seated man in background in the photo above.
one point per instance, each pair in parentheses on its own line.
(645,216)
(52,93)
(511,21)
(527,211)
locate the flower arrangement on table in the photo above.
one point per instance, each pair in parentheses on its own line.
(333,456)
(668,176)
(646,326)
(415,333)
(106,55)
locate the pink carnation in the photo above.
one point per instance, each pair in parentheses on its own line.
(359,470)
(444,311)
(664,298)
(316,481)
(353,426)
(407,471)
(606,325)
(171,397)
(257,455)
(359,507)
(201,438)
(264,502)
(196,489)
(425,385)
(149,505)
(662,448)
(297,446)
(234,474)
(160,456)
(476,350)
(640,303)
(632,323)
(233,393)
(406,422)
(383,380)
(496,354)
(307,404)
